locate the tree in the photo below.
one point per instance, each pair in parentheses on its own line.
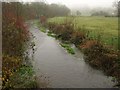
(100,13)
(58,10)
(117,7)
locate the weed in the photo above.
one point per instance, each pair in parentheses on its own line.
(26,78)
(68,48)
(43,30)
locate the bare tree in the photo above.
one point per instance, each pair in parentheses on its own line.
(116,6)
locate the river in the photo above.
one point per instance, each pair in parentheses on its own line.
(63,69)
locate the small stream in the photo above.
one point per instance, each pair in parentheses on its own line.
(63,69)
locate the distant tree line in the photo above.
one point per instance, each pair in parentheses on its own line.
(49,10)
(100,13)
(116,12)
(36,9)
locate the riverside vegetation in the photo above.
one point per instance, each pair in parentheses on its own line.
(17,71)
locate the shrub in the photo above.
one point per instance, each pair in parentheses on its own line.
(77,37)
(102,58)
(92,46)
(66,33)
(15,37)
(63,31)
(94,51)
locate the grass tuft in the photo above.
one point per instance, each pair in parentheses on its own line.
(68,48)
(42,30)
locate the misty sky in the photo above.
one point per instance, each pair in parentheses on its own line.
(80,3)
(91,3)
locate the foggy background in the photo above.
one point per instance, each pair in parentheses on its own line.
(85,7)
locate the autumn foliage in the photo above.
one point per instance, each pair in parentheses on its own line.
(14,32)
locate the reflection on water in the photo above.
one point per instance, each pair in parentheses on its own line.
(65,70)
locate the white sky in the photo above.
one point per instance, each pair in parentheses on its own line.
(83,2)
(78,3)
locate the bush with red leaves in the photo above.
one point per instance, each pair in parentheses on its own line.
(14,33)
(15,36)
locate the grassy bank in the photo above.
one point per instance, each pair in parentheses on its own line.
(103,28)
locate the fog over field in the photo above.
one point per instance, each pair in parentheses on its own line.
(84,6)
(83,3)
(78,3)
(87,6)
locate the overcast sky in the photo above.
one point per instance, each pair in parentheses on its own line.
(78,3)
(91,3)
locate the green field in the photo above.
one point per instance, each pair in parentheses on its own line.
(103,28)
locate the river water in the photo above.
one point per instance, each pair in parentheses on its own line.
(63,69)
